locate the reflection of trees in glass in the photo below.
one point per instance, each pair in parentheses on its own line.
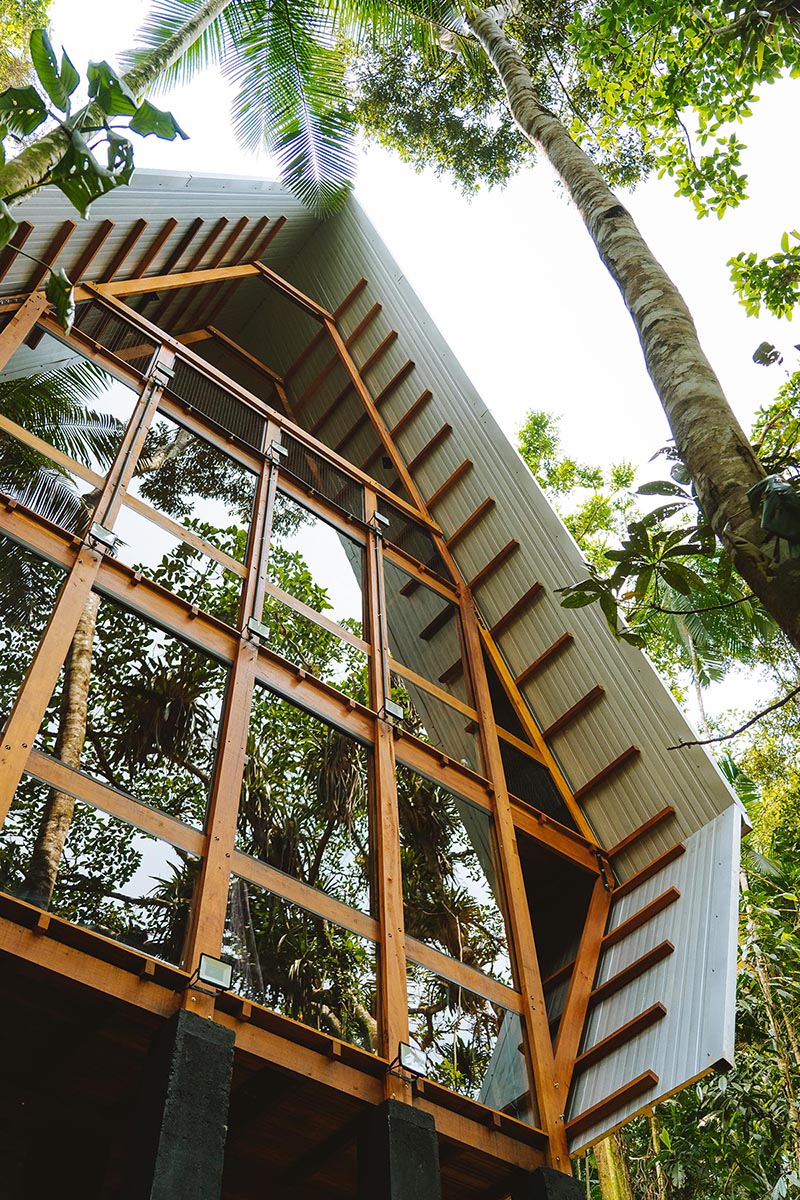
(301,965)
(304,800)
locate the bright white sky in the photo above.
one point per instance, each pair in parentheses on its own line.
(511,277)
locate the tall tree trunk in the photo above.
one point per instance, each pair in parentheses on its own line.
(716,452)
(31,166)
(655,1140)
(57,816)
(612,1169)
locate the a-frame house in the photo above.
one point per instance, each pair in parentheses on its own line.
(287,683)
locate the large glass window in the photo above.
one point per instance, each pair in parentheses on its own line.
(138,709)
(304,803)
(302,965)
(28,590)
(451,886)
(109,876)
(62,419)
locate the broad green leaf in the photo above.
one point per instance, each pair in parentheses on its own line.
(8,225)
(23,109)
(60,294)
(58,85)
(578,599)
(112,93)
(81,177)
(609,607)
(149,119)
(661,487)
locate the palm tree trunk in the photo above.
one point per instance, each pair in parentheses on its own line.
(612,1169)
(716,452)
(655,1140)
(57,816)
(31,167)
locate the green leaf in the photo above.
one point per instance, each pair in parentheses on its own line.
(8,225)
(58,85)
(112,93)
(609,606)
(60,294)
(579,599)
(149,119)
(24,110)
(81,177)
(660,487)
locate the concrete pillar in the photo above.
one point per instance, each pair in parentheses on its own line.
(398,1155)
(179,1144)
(546,1184)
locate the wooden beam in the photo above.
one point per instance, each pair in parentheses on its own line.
(193,228)
(7,255)
(429,447)
(161,283)
(49,256)
(136,231)
(438,622)
(208,241)
(271,234)
(471,521)
(653,868)
(494,564)
(251,359)
(152,250)
(546,656)
(633,971)
(81,264)
(228,244)
(578,707)
(378,353)
(620,1037)
(576,1005)
(618,763)
(516,610)
(398,377)
(648,826)
(411,413)
(619,1099)
(455,477)
(640,918)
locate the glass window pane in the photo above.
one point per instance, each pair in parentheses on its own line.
(411,537)
(316,563)
(197,485)
(138,709)
(316,649)
(304,800)
(451,885)
(28,590)
(533,783)
(110,877)
(424,630)
(472,1046)
(433,720)
(301,965)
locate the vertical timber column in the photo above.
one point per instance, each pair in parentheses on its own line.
(385,833)
(179,1138)
(549,1097)
(398,1155)
(21,324)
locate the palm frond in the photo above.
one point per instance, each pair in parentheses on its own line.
(290,100)
(163,21)
(52,405)
(50,494)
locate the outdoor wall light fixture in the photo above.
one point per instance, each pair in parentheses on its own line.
(379,522)
(277,451)
(216,972)
(410,1060)
(391,709)
(104,537)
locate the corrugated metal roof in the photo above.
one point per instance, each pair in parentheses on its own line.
(155,196)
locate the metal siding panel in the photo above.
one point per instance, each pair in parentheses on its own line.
(696,983)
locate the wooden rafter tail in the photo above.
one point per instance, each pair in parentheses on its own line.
(350,299)
(377,354)
(622,760)
(388,389)
(576,1005)
(522,605)
(427,450)
(90,251)
(453,672)
(193,265)
(126,249)
(362,326)
(272,233)
(640,918)
(620,1037)
(50,255)
(652,868)
(471,521)
(171,264)
(411,413)
(155,247)
(545,657)
(352,432)
(461,471)
(494,564)
(630,973)
(438,623)
(8,253)
(636,835)
(585,702)
(227,246)
(619,1099)
(316,383)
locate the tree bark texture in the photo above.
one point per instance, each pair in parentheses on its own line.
(58,812)
(32,165)
(612,1169)
(711,442)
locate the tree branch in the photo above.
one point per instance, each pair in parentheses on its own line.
(725,737)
